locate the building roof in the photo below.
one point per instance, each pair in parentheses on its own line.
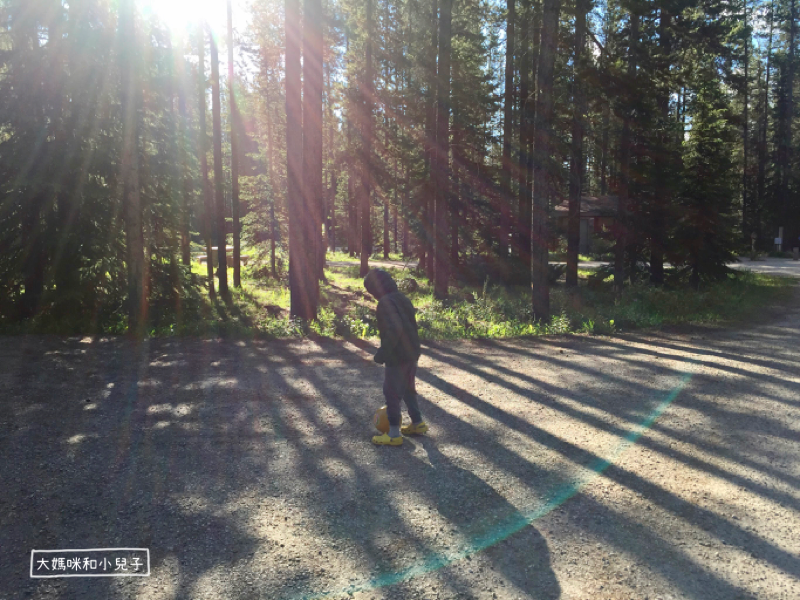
(591,206)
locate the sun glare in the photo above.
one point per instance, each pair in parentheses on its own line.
(180,14)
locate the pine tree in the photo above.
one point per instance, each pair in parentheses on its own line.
(134,236)
(234,120)
(219,195)
(540,288)
(202,150)
(706,228)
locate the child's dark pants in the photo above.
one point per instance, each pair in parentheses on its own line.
(399,383)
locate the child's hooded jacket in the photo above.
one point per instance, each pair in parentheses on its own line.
(397,323)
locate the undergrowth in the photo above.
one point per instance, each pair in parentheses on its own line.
(260,308)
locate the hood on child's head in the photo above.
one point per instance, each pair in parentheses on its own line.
(379,283)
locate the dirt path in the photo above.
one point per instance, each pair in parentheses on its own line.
(399,264)
(246,468)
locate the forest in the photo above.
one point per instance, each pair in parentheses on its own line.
(155,162)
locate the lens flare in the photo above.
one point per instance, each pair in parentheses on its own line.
(181,14)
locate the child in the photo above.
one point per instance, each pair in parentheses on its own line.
(399,351)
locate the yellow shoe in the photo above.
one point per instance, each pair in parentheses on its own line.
(414,428)
(385,440)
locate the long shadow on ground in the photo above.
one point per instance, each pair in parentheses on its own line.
(246,467)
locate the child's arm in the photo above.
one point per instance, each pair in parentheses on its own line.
(390,326)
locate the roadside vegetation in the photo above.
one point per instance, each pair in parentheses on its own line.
(260,308)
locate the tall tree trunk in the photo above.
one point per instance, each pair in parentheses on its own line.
(368,99)
(353,239)
(576,164)
(606,101)
(625,164)
(524,183)
(508,128)
(188,188)
(428,226)
(395,228)
(386,239)
(273,184)
(300,271)
(333,168)
(134,233)
(662,200)
(234,117)
(442,156)
(540,290)
(219,195)
(406,188)
(535,28)
(64,259)
(785,136)
(454,215)
(174,238)
(762,147)
(385,227)
(313,80)
(202,150)
(604,148)
(396,152)
(745,124)
(332,207)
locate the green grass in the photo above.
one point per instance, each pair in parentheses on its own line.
(499,312)
(560,257)
(377,256)
(260,308)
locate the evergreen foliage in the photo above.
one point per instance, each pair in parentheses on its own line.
(450,140)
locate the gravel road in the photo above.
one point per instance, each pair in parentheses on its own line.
(656,465)
(786,267)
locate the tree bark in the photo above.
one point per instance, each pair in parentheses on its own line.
(202,150)
(442,154)
(540,290)
(300,271)
(429,202)
(188,188)
(273,184)
(454,217)
(762,147)
(394,205)
(134,233)
(368,98)
(508,106)
(385,228)
(406,187)
(525,190)
(624,182)
(745,125)
(576,164)
(219,195)
(785,137)
(334,171)
(234,117)
(352,199)
(661,200)
(313,80)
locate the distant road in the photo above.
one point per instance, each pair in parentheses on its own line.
(769,266)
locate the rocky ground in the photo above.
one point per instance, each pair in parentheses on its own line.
(654,465)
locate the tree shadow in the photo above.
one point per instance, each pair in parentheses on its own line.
(487,518)
(231,459)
